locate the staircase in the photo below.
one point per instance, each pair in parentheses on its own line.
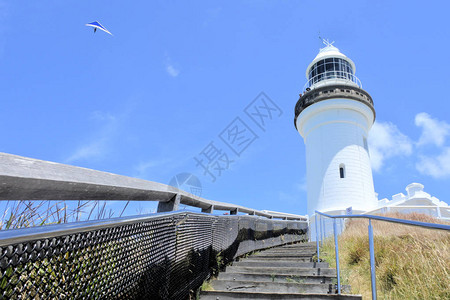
(285,272)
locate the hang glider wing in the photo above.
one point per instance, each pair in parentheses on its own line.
(96,25)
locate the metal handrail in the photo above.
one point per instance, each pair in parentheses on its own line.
(21,235)
(371,245)
(349,77)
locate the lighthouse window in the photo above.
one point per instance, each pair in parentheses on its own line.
(330,68)
(339,67)
(342,171)
(320,68)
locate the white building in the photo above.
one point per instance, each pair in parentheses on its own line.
(334,116)
(415,200)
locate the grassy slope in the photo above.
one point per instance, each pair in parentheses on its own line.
(411,262)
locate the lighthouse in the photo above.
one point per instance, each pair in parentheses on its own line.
(334,115)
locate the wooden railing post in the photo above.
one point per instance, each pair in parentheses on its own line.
(208,210)
(171,205)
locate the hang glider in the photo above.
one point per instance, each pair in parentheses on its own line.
(96,25)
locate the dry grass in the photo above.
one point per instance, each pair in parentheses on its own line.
(21,213)
(411,262)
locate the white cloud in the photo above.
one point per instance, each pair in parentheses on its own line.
(170,163)
(99,144)
(386,141)
(143,168)
(433,131)
(290,198)
(301,186)
(103,116)
(93,149)
(212,14)
(172,71)
(296,193)
(436,167)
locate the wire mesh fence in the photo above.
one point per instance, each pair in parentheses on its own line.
(155,257)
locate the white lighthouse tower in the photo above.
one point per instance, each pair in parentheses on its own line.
(334,116)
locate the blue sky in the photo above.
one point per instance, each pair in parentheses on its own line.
(148,100)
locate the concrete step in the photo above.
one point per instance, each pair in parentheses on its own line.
(269,287)
(284,252)
(271,258)
(308,245)
(277,255)
(285,272)
(275,278)
(300,244)
(312,249)
(290,249)
(280,264)
(282,270)
(217,295)
(297,246)
(308,249)
(280,249)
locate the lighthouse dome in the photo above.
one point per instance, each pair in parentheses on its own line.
(331,66)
